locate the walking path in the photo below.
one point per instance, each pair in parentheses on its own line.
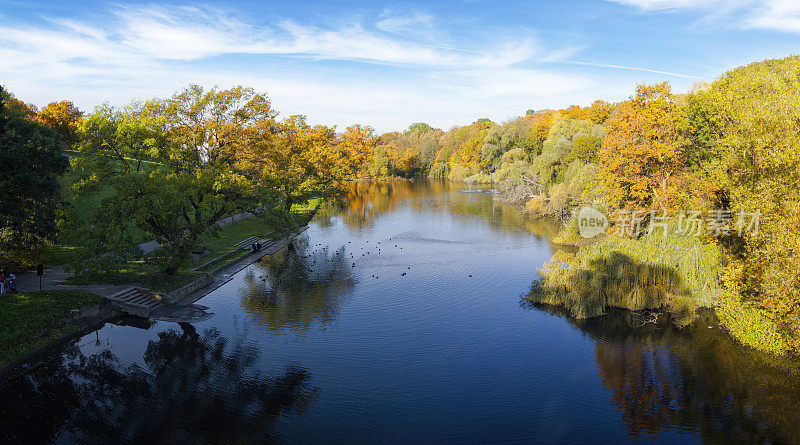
(55,275)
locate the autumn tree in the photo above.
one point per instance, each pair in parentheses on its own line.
(170,166)
(356,143)
(300,161)
(755,117)
(63,117)
(640,154)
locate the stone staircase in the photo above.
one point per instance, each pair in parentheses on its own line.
(247,242)
(136,301)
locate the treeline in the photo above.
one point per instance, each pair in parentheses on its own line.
(724,157)
(171,168)
(166,169)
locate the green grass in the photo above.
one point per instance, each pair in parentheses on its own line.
(26,320)
(138,271)
(149,275)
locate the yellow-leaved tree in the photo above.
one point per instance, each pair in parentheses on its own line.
(640,155)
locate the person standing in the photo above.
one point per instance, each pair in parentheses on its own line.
(2,282)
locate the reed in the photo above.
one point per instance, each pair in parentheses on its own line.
(671,272)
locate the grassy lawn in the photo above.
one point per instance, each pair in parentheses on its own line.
(231,234)
(149,275)
(26,319)
(140,272)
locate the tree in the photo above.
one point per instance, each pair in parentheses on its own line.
(641,151)
(419,127)
(172,166)
(302,162)
(357,144)
(757,122)
(62,117)
(31,160)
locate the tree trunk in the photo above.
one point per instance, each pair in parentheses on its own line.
(287,207)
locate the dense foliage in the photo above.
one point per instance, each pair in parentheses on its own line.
(31,160)
(171,169)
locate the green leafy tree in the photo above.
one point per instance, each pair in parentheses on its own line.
(171,167)
(758,118)
(31,160)
(419,127)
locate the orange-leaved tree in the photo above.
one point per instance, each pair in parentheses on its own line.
(63,117)
(356,144)
(640,155)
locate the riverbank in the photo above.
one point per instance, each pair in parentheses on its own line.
(675,273)
(33,319)
(30,321)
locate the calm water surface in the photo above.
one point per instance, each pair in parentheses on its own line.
(398,319)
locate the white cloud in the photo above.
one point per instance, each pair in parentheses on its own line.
(188,33)
(132,53)
(655,5)
(416,24)
(774,15)
(778,15)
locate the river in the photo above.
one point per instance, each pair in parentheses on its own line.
(398,318)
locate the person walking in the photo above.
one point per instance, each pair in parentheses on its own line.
(12,283)
(2,282)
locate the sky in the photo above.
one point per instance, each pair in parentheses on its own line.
(389,64)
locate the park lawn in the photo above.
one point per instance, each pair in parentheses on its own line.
(224,241)
(150,276)
(26,320)
(138,271)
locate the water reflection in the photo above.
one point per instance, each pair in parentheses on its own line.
(297,288)
(697,378)
(367,201)
(190,386)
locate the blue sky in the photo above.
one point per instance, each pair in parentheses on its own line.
(385,64)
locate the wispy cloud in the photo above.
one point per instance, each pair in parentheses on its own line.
(128,52)
(778,15)
(656,5)
(775,15)
(630,68)
(190,33)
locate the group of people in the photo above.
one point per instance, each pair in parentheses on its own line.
(8,283)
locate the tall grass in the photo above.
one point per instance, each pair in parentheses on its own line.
(674,272)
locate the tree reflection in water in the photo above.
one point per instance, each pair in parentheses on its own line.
(297,288)
(366,201)
(693,378)
(193,387)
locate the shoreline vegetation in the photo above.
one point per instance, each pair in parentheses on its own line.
(34,320)
(111,179)
(723,149)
